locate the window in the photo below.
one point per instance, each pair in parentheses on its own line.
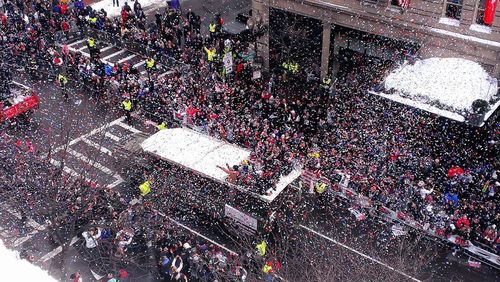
(480,12)
(453,9)
(372,2)
(395,3)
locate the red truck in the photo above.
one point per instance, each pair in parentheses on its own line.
(23,100)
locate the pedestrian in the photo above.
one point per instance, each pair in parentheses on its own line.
(76,277)
(127,107)
(62,83)
(117,2)
(145,188)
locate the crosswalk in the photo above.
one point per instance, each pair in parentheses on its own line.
(112,55)
(90,156)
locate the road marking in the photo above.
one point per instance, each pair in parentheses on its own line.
(94,131)
(106,48)
(165,73)
(114,54)
(76,42)
(197,233)
(88,55)
(126,58)
(98,147)
(139,64)
(30,222)
(112,136)
(19,241)
(128,127)
(22,85)
(117,182)
(69,170)
(82,48)
(56,251)
(359,253)
(90,162)
(35,225)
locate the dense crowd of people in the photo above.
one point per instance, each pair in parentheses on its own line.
(440,173)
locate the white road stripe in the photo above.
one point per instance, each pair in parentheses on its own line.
(126,58)
(30,222)
(56,251)
(128,127)
(22,85)
(106,48)
(76,50)
(98,147)
(359,253)
(35,225)
(94,131)
(117,182)
(88,55)
(82,48)
(197,233)
(90,162)
(165,73)
(19,241)
(112,136)
(69,170)
(76,42)
(139,64)
(114,54)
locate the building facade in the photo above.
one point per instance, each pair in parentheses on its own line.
(434,28)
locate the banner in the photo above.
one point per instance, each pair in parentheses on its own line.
(228,62)
(246,222)
(489,11)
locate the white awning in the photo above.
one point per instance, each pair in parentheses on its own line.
(202,154)
(195,151)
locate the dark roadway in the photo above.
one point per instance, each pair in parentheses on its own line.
(57,122)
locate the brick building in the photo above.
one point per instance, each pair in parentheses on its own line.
(428,28)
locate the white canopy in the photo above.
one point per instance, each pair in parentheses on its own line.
(202,154)
(195,151)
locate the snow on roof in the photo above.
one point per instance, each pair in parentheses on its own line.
(107,5)
(195,151)
(422,106)
(15,269)
(453,82)
(202,154)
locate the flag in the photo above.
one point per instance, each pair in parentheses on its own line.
(489,11)
(473,263)
(405,4)
(359,215)
(398,230)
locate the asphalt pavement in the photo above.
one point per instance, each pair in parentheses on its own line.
(92,127)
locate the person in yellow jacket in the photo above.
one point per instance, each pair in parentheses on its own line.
(212,28)
(145,188)
(261,248)
(326,83)
(161,126)
(320,188)
(150,63)
(127,107)
(211,53)
(62,82)
(267,268)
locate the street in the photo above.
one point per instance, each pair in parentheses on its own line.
(81,135)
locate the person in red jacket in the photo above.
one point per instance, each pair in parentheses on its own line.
(463,222)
